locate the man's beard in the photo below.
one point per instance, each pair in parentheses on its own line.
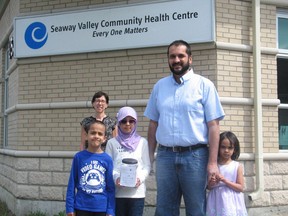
(185,67)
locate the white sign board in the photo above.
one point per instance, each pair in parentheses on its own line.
(135,26)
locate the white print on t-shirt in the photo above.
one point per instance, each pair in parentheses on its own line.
(93,177)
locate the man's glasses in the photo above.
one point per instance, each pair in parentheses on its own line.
(124,121)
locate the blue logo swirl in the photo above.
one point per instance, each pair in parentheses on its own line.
(36,35)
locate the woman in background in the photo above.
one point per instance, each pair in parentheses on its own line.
(99,103)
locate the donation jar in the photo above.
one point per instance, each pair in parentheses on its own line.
(128,172)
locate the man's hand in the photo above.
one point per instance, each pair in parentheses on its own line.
(212,170)
(213,140)
(213,181)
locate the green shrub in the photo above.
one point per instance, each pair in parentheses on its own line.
(38,213)
(4,211)
(63,213)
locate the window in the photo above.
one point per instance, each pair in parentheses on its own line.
(282,33)
(282,78)
(282,25)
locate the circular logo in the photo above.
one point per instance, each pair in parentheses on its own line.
(36,35)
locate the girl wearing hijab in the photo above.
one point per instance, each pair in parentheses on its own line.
(130,145)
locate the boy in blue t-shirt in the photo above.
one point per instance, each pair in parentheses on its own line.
(91,189)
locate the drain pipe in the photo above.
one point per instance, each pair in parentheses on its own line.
(257,103)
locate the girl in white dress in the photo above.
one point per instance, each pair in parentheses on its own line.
(226,197)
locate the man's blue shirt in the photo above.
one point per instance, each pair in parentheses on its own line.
(183,110)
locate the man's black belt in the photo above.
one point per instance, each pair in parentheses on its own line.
(182,148)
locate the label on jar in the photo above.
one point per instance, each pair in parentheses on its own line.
(128,172)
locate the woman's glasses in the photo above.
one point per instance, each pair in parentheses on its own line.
(100,101)
(124,121)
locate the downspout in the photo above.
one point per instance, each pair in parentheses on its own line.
(257,103)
